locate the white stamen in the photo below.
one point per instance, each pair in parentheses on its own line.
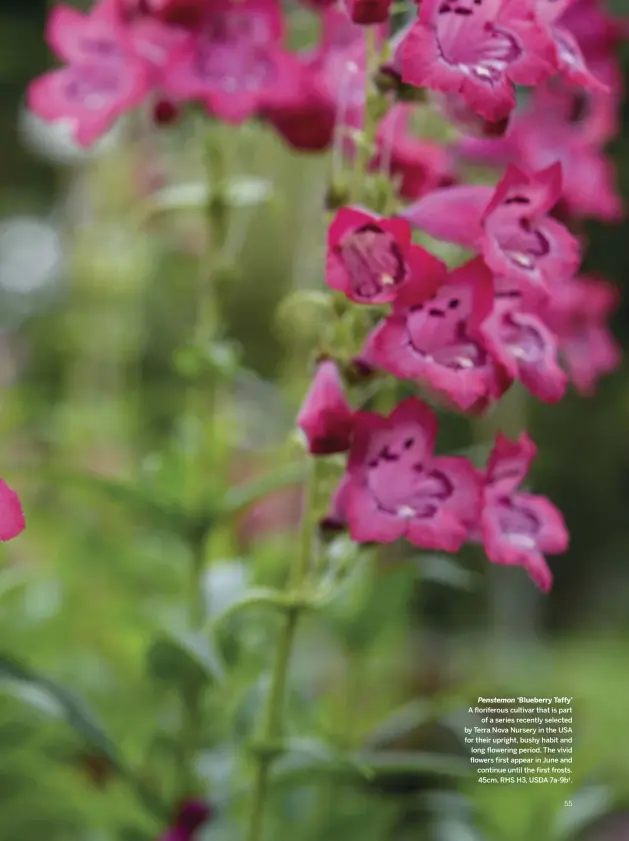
(387,280)
(522,260)
(464,362)
(405,511)
(522,540)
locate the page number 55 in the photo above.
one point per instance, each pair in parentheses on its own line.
(567,803)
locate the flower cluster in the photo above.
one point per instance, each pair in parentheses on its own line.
(516,309)
(530,87)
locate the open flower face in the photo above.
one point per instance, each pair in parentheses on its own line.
(396,488)
(478,48)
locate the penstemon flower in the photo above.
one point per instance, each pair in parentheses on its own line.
(440,288)
(519,528)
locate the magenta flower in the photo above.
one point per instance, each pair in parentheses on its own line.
(395,487)
(436,339)
(546,133)
(524,346)
(325,417)
(368,11)
(518,529)
(371,259)
(11,515)
(103,79)
(419,166)
(568,55)
(579,312)
(595,30)
(479,48)
(305,119)
(234,61)
(457,111)
(513,231)
(190,817)
(521,241)
(339,65)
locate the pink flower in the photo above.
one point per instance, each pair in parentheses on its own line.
(306,119)
(509,226)
(371,258)
(568,55)
(435,339)
(190,817)
(545,133)
(578,312)
(394,486)
(234,61)
(524,346)
(368,11)
(479,48)
(521,241)
(596,32)
(339,65)
(334,520)
(104,77)
(419,165)
(455,109)
(325,417)
(176,12)
(11,515)
(518,529)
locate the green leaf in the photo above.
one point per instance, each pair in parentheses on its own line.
(255,597)
(300,767)
(40,691)
(12,579)
(137,498)
(239,191)
(444,569)
(185,658)
(389,764)
(246,191)
(401,723)
(586,805)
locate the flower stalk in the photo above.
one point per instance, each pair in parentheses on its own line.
(271,725)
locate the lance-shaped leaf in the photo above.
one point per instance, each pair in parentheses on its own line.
(48,696)
(185,658)
(239,191)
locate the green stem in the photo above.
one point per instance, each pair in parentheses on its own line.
(271,726)
(200,409)
(366,145)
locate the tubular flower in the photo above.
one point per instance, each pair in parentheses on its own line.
(517,528)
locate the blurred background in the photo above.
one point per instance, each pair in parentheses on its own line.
(94,302)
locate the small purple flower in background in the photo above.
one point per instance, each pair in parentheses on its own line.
(191,816)
(579,313)
(517,528)
(395,487)
(103,77)
(234,61)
